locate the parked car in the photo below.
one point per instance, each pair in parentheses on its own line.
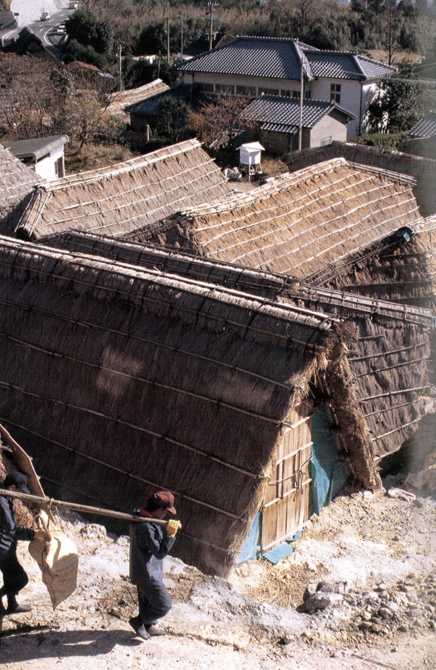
(45,16)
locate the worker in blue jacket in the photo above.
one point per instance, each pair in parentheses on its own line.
(150,543)
(14,575)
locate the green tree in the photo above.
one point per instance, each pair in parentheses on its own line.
(398,105)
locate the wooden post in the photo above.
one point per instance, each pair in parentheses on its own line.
(86,509)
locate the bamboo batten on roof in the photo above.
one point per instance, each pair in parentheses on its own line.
(150,379)
(121,198)
(16,183)
(176,262)
(297,222)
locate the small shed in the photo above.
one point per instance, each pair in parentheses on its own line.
(278,120)
(250,156)
(44,154)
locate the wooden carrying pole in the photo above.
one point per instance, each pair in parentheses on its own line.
(37,500)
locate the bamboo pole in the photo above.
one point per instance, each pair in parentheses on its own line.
(86,509)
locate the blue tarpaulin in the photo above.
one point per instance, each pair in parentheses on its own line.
(251,543)
(327,471)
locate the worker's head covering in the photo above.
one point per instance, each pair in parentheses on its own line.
(164,500)
(17,479)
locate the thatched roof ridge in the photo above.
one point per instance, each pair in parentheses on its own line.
(131,283)
(16,183)
(174,261)
(351,305)
(121,100)
(120,198)
(339,205)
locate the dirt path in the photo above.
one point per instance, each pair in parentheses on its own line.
(382,547)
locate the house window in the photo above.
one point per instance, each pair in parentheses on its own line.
(286,93)
(296,95)
(224,89)
(207,88)
(248,91)
(335,93)
(268,91)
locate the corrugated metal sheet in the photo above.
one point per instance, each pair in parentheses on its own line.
(425,127)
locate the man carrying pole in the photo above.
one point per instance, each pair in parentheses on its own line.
(150,543)
(14,575)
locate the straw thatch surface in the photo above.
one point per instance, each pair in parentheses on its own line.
(260,283)
(389,358)
(380,327)
(118,378)
(121,198)
(296,223)
(16,183)
(397,268)
(121,100)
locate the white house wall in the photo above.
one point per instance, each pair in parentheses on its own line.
(328,130)
(46,167)
(350,99)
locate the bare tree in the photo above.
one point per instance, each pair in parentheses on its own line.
(218,120)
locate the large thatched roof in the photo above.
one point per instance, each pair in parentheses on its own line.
(390,351)
(121,198)
(296,223)
(16,182)
(150,379)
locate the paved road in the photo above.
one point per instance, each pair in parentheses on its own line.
(29,13)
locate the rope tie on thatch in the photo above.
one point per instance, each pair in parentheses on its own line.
(355,359)
(395,407)
(104,464)
(395,430)
(374,371)
(391,393)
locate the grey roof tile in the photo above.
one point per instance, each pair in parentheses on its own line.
(281,58)
(426,127)
(284,113)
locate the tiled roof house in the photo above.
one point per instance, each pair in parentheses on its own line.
(255,66)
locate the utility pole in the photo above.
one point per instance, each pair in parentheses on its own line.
(211,8)
(300,125)
(168,33)
(182,35)
(120,66)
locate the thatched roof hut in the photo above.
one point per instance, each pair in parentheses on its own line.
(130,359)
(16,183)
(135,343)
(120,101)
(339,205)
(121,198)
